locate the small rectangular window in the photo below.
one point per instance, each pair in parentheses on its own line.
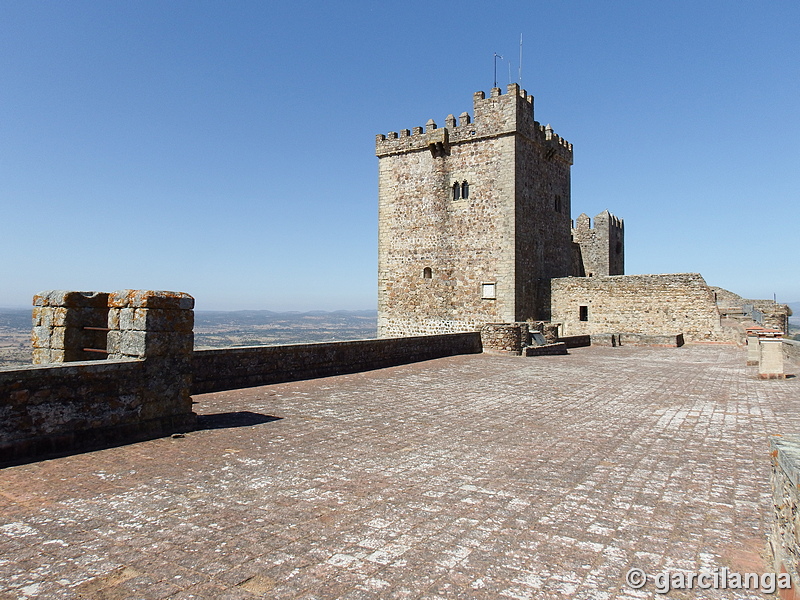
(584,313)
(488,291)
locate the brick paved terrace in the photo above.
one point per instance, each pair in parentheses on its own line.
(466,477)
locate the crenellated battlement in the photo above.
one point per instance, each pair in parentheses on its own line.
(604,220)
(496,115)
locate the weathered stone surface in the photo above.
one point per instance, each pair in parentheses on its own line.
(472,477)
(555,349)
(70,299)
(784,536)
(642,304)
(150,299)
(601,248)
(95,403)
(232,368)
(505,338)
(770,359)
(753,351)
(438,245)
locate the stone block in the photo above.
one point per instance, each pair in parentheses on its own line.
(164,343)
(126,319)
(40,336)
(71,299)
(57,337)
(148,344)
(753,350)
(166,320)
(770,364)
(150,299)
(132,343)
(114,342)
(41,356)
(114,318)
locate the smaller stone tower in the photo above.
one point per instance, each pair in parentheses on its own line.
(600,249)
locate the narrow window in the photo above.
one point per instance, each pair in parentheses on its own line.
(464,190)
(584,313)
(427,273)
(557,203)
(456,191)
(488,291)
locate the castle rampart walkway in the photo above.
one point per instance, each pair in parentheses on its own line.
(465,477)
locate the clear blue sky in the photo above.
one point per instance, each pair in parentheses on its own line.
(226,149)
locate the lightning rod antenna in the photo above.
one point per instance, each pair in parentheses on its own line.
(520,60)
(496,56)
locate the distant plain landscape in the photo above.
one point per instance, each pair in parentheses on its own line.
(220,329)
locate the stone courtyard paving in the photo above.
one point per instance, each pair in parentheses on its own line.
(466,477)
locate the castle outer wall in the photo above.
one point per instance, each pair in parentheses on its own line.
(644,304)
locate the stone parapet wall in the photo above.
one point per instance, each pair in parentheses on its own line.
(577,341)
(640,304)
(785,531)
(69,406)
(232,368)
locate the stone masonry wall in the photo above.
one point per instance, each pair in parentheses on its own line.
(76,405)
(644,304)
(791,351)
(436,248)
(233,368)
(141,392)
(602,247)
(506,338)
(785,530)
(66,323)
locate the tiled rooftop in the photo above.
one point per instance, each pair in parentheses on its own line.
(466,477)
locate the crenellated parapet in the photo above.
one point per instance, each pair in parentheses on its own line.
(496,115)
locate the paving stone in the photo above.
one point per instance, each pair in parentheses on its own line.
(465,477)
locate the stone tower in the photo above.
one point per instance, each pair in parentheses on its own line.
(601,248)
(474,219)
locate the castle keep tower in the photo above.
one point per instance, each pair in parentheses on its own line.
(474,219)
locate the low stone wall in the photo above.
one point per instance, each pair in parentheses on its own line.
(577,341)
(667,340)
(604,339)
(233,368)
(78,405)
(504,338)
(785,530)
(554,349)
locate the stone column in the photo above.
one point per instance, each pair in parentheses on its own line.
(770,364)
(66,324)
(753,351)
